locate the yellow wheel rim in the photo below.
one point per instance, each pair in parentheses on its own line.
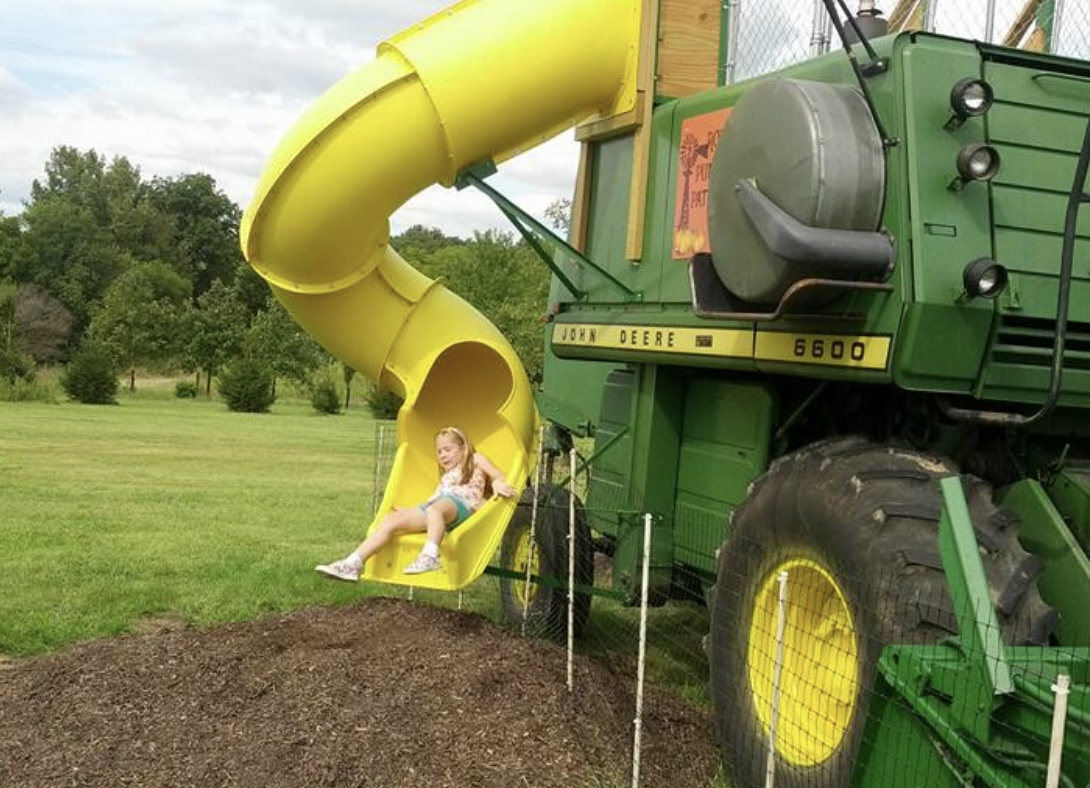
(525,592)
(820,670)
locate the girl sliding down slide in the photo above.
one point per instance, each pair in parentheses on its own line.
(466,477)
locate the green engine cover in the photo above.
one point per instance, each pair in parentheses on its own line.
(810,147)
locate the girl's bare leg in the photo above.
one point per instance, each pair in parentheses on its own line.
(439,515)
(402,521)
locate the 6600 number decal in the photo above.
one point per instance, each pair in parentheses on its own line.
(858,352)
(835,349)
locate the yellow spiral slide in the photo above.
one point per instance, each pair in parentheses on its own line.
(482,80)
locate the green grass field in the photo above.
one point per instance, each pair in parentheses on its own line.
(160,507)
(166,507)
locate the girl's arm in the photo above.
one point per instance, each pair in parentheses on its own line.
(500,486)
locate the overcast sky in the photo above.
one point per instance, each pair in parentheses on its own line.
(184,86)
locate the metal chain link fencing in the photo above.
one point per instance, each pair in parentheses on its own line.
(770,34)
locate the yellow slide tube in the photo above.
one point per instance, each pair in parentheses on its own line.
(484,79)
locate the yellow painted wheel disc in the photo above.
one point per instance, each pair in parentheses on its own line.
(525,593)
(820,670)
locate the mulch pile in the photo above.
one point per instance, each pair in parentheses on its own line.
(383,692)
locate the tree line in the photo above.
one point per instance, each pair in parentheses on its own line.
(149,274)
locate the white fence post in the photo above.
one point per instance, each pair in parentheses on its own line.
(571,572)
(781,622)
(645,585)
(1062,688)
(533,528)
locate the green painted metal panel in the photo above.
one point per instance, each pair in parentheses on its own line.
(949,365)
(898,747)
(1065,581)
(725,445)
(1036,124)
(1038,254)
(1020,361)
(1035,211)
(611,472)
(1070,491)
(1034,298)
(656,395)
(1032,168)
(691,448)
(573,395)
(610,185)
(1050,90)
(930,67)
(912,736)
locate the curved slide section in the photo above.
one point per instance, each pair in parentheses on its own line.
(484,79)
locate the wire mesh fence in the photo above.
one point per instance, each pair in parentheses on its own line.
(813,676)
(882,667)
(880,662)
(767,35)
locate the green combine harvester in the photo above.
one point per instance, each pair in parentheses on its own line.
(834,322)
(828,326)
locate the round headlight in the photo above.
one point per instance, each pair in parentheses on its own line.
(984,278)
(978,162)
(971,97)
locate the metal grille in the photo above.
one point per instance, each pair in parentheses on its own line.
(766,35)
(1030,342)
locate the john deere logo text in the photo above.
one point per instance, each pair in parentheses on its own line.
(838,350)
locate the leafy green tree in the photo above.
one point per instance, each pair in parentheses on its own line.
(41,325)
(7,315)
(91,376)
(213,331)
(68,254)
(14,363)
(277,342)
(419,244)
(246,385)
(509,285)
(558,214)
(12,246)
(347,373)
(72,244)
(78,178)
(144,232)
(141,316)
(206,228)
(251,290)
(323,394)
(382,404)
(88,219)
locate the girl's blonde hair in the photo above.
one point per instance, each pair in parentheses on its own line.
(466,466)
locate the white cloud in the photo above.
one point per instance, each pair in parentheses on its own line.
(180,86)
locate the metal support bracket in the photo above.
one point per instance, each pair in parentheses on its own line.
(980,637)
(537,235)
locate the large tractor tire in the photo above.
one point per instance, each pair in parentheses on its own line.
(546,605)
(854,525)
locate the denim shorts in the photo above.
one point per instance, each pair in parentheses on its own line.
(462,513)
